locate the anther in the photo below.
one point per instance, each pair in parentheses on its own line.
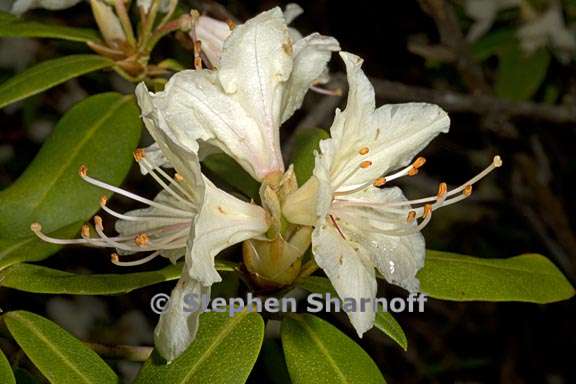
(419,162)
(139,154)
(365,164)
(427,210)
(142,240)
(231,24)
(85,232)
(497,161)
(36,227)
(442,189)
(114,258)
(364,150)
(103,200)
(178,177)
(83,170)
(98,222)
(379,182)
(413,172)
(467,190)
(411,217)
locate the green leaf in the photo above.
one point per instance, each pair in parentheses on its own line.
(58,355)
(31,248)
(228,171)
(384,321)
(530,278)
(38,279)
(492,43)
(304,146)
(274,362)
(519,75)
(224,351)
(49,74)
(101,132)
(24,377)
(7,16)
(17,27)
(6,375)
(317,352)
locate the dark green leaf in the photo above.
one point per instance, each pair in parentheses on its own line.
(304,146)
(49,74)
(492,43)
(100,132)
(31,248)
(224,351)
(520,75)
(384,321)
(38,279)
(317,352)
(531,278)
(6,375)
(274,362)
(228,171)
(16,27)
(58,355)
(25,377)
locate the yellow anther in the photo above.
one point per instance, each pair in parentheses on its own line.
(231,24)
(114,258)
(364,150)
(142,240)
(413,172)
(178,177)
(442,189)
(379,182)
(197,57)
(98,222)
(103,200)
(139,154)
(411,217)
(419,162)
(467,190)
(85,232)
(497,161)
(365,164)
(83,170)
(427,210)
(36,227)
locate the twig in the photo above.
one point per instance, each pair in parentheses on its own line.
(479,104)
(452,37)
(121,352)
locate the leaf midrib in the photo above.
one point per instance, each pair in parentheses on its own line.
(322,348)
(40,336)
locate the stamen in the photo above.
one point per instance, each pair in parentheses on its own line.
(103,201)
(85,232)
(379,182)
(364,150)
(116,260)
(231,24)
(467,191)
(153,172)
(327,92)
(365,164)
(411,217)
(139,154)
(37,229)
(83,170)
(197,56)
(177,177)
(142,240)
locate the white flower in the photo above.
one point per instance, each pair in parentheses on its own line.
(163,6)
(359,227)
(484,13)
(549,28)
(190,216)
(261,81)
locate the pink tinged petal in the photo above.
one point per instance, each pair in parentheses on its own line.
(178,325)
(349,271)
(222,222)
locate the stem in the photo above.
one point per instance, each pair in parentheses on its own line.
(149,24)
(125,21)
(309,268)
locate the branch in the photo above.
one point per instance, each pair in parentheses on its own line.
(479,104)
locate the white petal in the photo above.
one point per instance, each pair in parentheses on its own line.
(211,33)
(349,271)
(177,326)
(146,4)
(21,6)
(311,55)
(292,11)
(155,157)
(222,222)
(392,133)
(397,258)
(195,108)
(256,60)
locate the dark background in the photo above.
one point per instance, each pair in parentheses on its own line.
(527,206)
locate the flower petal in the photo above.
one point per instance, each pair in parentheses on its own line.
(178,325)
(211,33)
(222,222)
(21,6)
(366,220)
(387,138)
(349,271)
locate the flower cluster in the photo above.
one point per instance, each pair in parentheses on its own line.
(358,227)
